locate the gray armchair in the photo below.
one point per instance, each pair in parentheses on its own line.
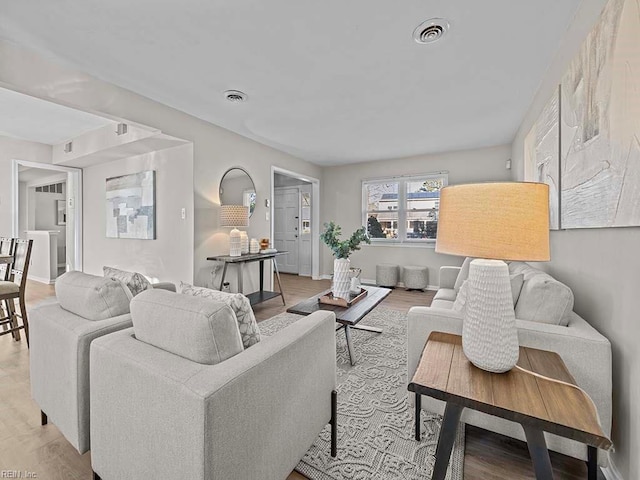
(157,414)
(61,333)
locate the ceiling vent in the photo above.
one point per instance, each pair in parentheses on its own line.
(431,31)
(235,96)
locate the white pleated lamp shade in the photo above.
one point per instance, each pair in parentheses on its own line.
(234,216)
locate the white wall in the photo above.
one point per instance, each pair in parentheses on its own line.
(162,258)
(342,202)
(11,148)
(215,149)
(601,266)
(46,217)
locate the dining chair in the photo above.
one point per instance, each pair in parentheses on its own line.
(14,288)
(6,247)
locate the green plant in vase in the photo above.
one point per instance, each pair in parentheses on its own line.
(341,250)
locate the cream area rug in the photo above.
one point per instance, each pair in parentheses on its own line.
(375,419)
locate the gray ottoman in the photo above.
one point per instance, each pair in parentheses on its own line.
(386,275)
(416,278)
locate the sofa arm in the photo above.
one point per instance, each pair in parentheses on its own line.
(146,402)
(59,369)
(165,286)
(448,276)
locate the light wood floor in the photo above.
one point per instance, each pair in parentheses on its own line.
(25,446)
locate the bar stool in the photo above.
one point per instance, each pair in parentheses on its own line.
(10,290)
(6,258)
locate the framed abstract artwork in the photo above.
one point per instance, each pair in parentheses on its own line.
(542,155)
(131,206)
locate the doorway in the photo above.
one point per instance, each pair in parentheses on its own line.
(295,221)
(47,208)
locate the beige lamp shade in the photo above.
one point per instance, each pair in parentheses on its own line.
(234,216)
(502,221)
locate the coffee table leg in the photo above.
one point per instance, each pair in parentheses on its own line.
(448,430)
(352,354)
(539,453)
(592,463)
(418,404)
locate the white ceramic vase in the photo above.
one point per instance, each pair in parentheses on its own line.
(341,278)
(244,242)
(489,334)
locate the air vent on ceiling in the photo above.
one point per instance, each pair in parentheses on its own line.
(235,96)
(431,31)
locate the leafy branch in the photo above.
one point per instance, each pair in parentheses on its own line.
(344,248)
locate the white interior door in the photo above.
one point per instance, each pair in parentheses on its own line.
(286,227)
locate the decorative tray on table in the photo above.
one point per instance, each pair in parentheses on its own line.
(329,299)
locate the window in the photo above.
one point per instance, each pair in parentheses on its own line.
(402,209)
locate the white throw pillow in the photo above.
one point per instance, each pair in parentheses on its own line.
(136,282)
(240,305)
(463,274)
(461,299)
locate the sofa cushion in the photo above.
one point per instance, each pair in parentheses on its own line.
(240,305)
(517,281)
(92,297)
(463,274)
(441,303)
(542,298)
(198,329)
(445,294)
(136,282)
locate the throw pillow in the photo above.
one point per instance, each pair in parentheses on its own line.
(463,274)
(461,299)
(136,282)
(240,305)
(516,286)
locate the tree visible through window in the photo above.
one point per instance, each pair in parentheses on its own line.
(403,209)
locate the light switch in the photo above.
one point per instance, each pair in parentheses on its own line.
(266,216)
(183,213)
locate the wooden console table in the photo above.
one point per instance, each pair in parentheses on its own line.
(538,404)
(261,295)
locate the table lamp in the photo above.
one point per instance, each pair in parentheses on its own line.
(234,216)
(493,222)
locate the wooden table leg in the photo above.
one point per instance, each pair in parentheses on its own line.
(448,430)
(418,405)
(592,463)
(539,453)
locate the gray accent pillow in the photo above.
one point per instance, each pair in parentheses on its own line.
(463,274)
(240,305)
(198,329)
(136,282)
(516,286)
(92,297)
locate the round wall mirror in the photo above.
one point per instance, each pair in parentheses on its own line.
(237,188)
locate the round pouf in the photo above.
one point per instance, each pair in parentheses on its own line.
(416,278)
(386,275)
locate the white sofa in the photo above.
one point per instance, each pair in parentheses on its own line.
(545,320)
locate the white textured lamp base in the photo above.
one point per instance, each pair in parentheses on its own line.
(235,243)
(489,334)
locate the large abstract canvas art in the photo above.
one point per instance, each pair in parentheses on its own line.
(131,206)
(542,156)
(600,124)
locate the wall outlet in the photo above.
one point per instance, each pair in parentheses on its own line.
(266,216)
(183,213)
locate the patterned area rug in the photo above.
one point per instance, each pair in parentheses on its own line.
(375,419)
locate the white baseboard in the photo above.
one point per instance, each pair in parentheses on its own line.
(46,281)
(370,281)
(611,472)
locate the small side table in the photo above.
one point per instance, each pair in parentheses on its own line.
(261,295)
(538,404)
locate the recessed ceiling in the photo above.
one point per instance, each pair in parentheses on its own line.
(332,82)
(36,120)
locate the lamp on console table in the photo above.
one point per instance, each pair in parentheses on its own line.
(493,222)
(234,216)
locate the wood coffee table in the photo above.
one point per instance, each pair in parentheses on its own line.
(348,318)
(538,404)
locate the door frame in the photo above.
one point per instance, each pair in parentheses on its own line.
(75,197)
(315,213)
